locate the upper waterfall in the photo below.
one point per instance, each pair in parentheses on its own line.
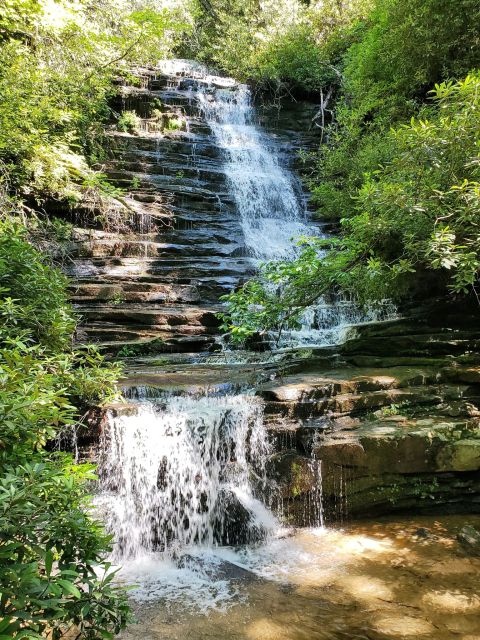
(268,198)
(267,195)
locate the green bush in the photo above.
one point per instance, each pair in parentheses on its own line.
(33,296)
(52,122)
(396,56)
(128,122)
(53,573)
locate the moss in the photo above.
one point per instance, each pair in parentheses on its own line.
(141,348)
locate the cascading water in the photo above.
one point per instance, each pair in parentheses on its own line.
(271,207)
(266,195)
(185,473)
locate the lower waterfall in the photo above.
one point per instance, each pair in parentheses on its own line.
(189,471)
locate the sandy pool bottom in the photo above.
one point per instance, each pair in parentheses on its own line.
(380,580)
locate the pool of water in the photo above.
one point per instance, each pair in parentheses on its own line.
(379,580)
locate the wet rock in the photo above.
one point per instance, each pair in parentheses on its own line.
(218,569)
(423,533)
(348,452)
(464,374)
(295,474)
(469,538)
(311,431)
(460,455)
(233,523)
(188,84)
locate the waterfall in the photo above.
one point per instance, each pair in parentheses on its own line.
(271,208)
(266,195)
(187,472)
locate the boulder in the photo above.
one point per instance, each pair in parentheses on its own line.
(460,455)
(469,538)
(233,523)
(295,475)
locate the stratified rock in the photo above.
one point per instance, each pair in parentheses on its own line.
(294,473)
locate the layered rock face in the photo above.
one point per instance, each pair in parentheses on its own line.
(377,437)
(389,420)
(161,283)
(153,282)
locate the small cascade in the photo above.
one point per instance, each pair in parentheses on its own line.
(330,322)
(187,472)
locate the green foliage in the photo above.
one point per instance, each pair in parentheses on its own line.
(275,43)
(128,122)
(415,224)
(407,199)
(397,55)
(33,298)
(58,60)
(275,299)
(48,549)
(175,124)
(67,54)
(53,574)
(151,347)
(420,212)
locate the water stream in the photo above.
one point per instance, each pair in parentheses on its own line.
(267,196)
(272,208)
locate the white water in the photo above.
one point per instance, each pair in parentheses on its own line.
(272,210)
(186,473)
(331,323)
(266,195)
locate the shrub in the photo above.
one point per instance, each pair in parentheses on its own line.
(53,572)
(128,122)
(33,296)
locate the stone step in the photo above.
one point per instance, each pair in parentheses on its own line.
(210,211)
(190,158)
(304,387)
(369,401)
(425,344)
(188,167)
(149,249)
(201,183)
(102,331)
(126,292)
(224,217)
(121,290)
(84,238)
(180,318)
(170,270)
(200,146)
(183,191)
(206,281)
(128,343)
